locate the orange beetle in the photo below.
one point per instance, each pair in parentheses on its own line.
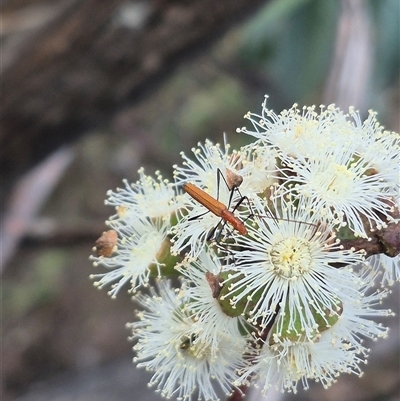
(216,207)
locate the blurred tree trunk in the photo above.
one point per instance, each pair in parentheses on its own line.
(95,57)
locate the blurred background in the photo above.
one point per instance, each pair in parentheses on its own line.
(95,89)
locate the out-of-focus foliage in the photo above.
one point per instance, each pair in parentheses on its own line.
(386,17)
(291,42)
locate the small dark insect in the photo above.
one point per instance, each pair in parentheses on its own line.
(186,341)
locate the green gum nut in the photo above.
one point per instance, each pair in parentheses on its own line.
(345,233)
(289,327)
(228,297)
(167,260)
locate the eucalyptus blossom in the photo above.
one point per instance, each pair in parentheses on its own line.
(282,253)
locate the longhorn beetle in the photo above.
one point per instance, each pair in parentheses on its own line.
(215,206)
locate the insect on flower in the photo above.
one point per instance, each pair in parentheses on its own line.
(216,207)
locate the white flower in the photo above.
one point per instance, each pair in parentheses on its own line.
(294,305)
(285,265)
(282,363)
(363,305)
(300,132)
(339,188)
(138,246)
(282,366)
(348,169)
(148,197)
(171,344)
(259,169)
(203,170)
(379,147)
(204,290)
(389,266)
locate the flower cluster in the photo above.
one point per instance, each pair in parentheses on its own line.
(282,251)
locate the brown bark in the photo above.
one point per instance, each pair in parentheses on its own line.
(84,65)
